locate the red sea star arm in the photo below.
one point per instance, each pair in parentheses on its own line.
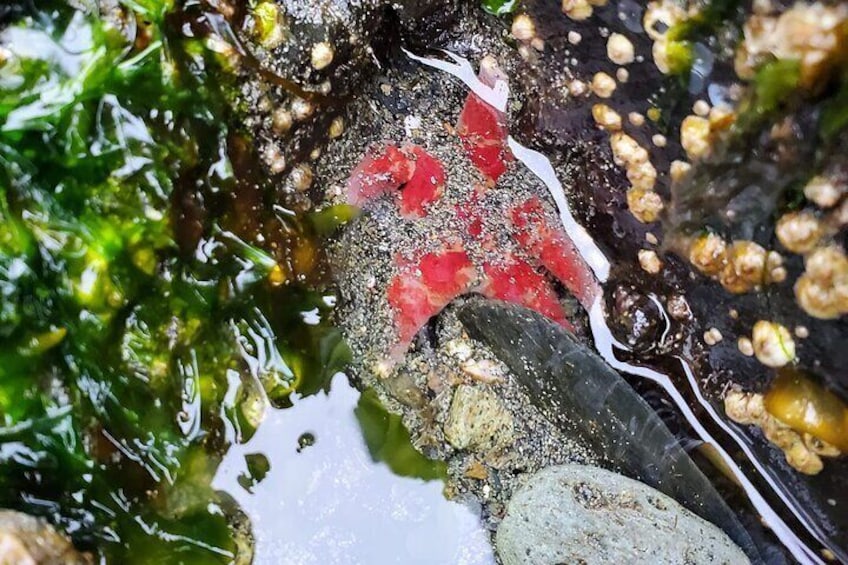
(483,129)
(424,187)
(516,281)
(419,176)
(421,289)
(381,170)
(555,250)
(483,137)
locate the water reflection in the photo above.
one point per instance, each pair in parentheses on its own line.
(325,501)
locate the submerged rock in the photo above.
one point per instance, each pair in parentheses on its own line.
(584,514)
(27,540)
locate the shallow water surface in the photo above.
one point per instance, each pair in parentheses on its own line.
(329,502)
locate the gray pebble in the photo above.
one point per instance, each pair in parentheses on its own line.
(585,514)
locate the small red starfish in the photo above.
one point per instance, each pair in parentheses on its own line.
(538,248)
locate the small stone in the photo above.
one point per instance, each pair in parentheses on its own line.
(823,192)
(281,121)
(695,136)
(300,179)
(622,74)
(483,371)
(523,28)
(577,10)
(627,150)
(701,108)
(678,170)
(636,118)
(746,267)
(799,232)
(459,349)
(678,308)
(645,205)
(649,261)
(745,407)
(574,37)
(476,470)
(659,17)
(275,159)
(337,127)
(603,85)
(606,117)
(577,88)
(301,109)
(822,291)
(745,346)
(477,420)
(712,336)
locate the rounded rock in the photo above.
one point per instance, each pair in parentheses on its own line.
(584,514)
(27,539)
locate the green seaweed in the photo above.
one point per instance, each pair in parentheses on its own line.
(774,85)
(500,7)
(834,114)
(388,441)
(131,352)
(700,27)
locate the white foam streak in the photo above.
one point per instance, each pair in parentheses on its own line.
(586,246)
(496,96)
(606,344)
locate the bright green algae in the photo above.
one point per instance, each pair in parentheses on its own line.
(140,332)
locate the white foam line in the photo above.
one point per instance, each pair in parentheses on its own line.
(586,246)
(460,68)
(605,342)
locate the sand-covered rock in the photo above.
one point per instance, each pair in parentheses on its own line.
(478,420)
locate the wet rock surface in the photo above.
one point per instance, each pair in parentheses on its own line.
(584,514)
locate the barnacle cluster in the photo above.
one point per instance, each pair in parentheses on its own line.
(741,266)
(812,34)
(797,415)
(803,451)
